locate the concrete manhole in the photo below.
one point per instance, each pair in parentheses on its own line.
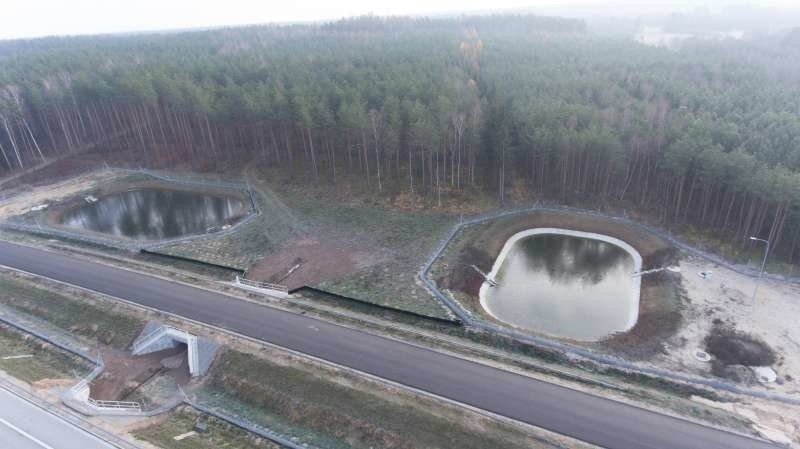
(764,374)
(702,356)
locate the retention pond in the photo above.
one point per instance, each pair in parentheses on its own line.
(569,284)
(154,214)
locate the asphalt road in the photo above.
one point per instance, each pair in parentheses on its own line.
(26,426)
(589,418)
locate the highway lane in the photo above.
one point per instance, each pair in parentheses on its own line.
(27,426)
(576,414)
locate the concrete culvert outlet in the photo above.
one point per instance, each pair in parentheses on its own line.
(157,337)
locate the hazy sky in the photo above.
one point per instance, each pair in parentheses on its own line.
(32,18)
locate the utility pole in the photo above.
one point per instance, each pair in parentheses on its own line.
(763,266)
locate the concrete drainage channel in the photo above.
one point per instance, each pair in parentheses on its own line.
(154,336)
(601,359)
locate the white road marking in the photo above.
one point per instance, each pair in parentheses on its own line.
(25,434)
(12,357)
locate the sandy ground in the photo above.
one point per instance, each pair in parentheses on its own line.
(24,200)
(727,296)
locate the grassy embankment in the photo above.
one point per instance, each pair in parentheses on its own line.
(47,361)
(218,434)
(331,411)
(82,316)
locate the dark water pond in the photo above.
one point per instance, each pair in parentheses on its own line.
(566,285)
(147,214)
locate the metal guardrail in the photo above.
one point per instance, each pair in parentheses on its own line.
(117,405)
(261,285)
(69,416)
(602,359)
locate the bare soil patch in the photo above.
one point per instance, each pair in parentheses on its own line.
(720,310)
(125,373)
(307,262)
(52,171)
(733,347)
(24,199)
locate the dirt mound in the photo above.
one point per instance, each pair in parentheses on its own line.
(307,262)
(732,347)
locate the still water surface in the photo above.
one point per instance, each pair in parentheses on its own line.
(147,214)
(566,285)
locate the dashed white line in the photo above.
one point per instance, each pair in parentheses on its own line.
(25,434)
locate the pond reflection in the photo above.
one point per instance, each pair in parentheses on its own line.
(565,285)
(147,214)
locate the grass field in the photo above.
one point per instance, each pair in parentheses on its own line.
(332,414)
(94,320)
(219,434)
(47,361)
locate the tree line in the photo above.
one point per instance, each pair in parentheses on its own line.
(706,136)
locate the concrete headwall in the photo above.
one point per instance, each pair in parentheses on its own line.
(158,337)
